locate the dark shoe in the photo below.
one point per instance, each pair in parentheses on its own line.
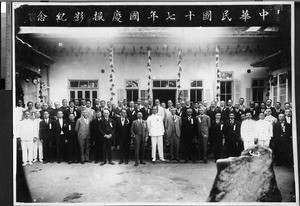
(194,161)
(205,161)
(70,162)
(126,162)
(75,161)
(136,164)
(177,160)
(45,162)
(121,162)
(59,161)
(186,161)
(51,161)
(111,162)
(142,162)
(102,163)
(96,161)
(82,162)
(86,161)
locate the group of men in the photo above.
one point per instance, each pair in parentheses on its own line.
(71,131)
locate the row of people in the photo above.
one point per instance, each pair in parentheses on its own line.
(104,130)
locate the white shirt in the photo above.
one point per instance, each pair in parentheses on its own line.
(248,130)
(288,119)
(37,126)
(27,130)
(264,130)
(155,125)
(19,113)
(271,119)
(160,111)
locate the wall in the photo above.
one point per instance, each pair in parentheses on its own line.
(199,67)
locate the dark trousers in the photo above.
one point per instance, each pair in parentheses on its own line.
(47,150)
(202,147)
(72,149)
(139,148)
(106,149)
(174,145)
(189,149)
(218,144)
(84,146)
(124,143)
(60,147)
(98,150)
(231,149)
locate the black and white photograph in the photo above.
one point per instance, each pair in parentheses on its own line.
(154,103)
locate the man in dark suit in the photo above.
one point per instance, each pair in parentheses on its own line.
(59,131)
(231,135)
(187,105)
(237,112)
(131,112)
(203,124)
(146,110)
(107,130)
(82,128)
(217,135)
(178,109)
(282,133)
(211,112)
(278,109)
(188,135)
(72,143)
(73,110)
(223,110)
(46,136)
(139,134)
(96,137)
(253,111)
(64,108)
(96,105)
(123,136)
(269,106)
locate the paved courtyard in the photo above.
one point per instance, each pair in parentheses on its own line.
(161,182)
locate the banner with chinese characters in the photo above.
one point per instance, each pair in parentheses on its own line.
(100,15)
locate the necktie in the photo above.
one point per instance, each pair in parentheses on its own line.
(173,118)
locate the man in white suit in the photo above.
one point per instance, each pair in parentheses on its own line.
(173,132)
(27,132)
(248,133)
(156,131)
(264,130)
(37,144)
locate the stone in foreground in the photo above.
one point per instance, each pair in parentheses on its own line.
(248,178)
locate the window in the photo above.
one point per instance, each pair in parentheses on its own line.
(132,90)
(83,89)
(258,86)
(196,91)
(164,83)
(226,90)
(280,88)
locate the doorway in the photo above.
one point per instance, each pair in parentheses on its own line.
(164,95)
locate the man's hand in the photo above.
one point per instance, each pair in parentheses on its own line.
(34,139)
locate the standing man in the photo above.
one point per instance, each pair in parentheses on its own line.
(72,142)
(223,110)
(178,109)
(90,111)
(131,112)
(123,136)
(19,111)
(83,105)
(107,130)
(231,132)
(248,132)
(252,110)
(216,135)
(59,131)
(65,108)
(211,112)
(96,105)
(46,136)
(27,132)
(185,106)
(55,110)
(242,105)
(282,133)
(264,131)
(173,132)
(146,110)
(160,109)
(139,134)
(188,135)
(96,137)
(203,124)
(278,109)
(82,128)
(269,117)
(37,144)
(73,110)
(269,106)
(156,131)
(30,109)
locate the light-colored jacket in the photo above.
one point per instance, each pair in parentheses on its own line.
(82,128)
(248,131)
(203,125)
(155,125)
(264,130)
(170,123)
(27,130)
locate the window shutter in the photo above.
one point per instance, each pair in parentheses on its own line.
(248,96)
(237,90)
(120,94)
